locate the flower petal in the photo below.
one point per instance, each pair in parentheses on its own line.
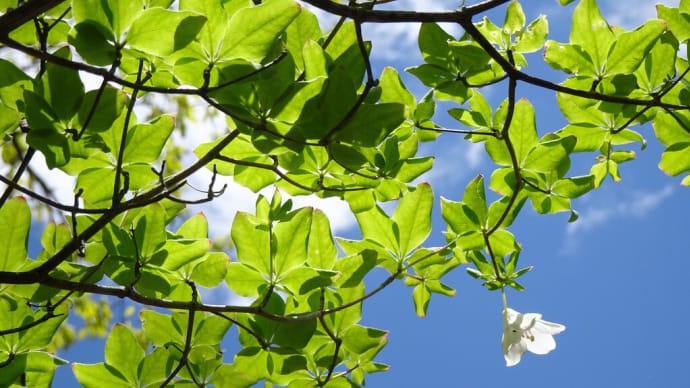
(514,353)
(529,320)
(548,327)
(541,344)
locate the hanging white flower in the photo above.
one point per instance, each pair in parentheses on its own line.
(526,332)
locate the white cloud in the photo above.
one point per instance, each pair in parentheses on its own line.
(221,211)
(638,206)
(630,14)
(475,155)
(393,41)
(453,163)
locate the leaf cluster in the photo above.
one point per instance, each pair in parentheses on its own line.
(303,113)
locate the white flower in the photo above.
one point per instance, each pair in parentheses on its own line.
(526,332)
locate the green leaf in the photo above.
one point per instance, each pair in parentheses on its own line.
(92,43)
(672,132)
(54,238)
(161,32)
(622,156)
(315,62)
(252,241)
(212,32)
(499,207)
(360,339)
(475,199)
(210,329)
(123,352)
(678,22)
(551,156)
(379,120)
(97,15)
(252,31)
(514,19)
(413,217)
(294,335)
(675,159)
(569,58)
(433,43)
(33,369)
(145,141)
(659,65)
(100,117)
(592,33)
(211,270)
(159,328)
(574,187)
(393,90)
(123,14)
(245,280)
(304,27)
(431,75)
(523,130)
(194,227)
(111,18)
(421,297)
(39,336)
(378,227)
(149,231)
(290,244)
(155,367)
(61,88)
(15,219)
(631,48)
(534,36)
(503,243)
(354,268)
(98,375)
(237,374)
(321,250)
(589,138)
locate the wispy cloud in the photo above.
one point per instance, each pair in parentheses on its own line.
(638,205)
(392,41)
(630,14)
(221,211)
(454,163)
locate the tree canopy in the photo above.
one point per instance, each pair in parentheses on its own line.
(101,93)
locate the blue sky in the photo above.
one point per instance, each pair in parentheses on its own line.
(616,278)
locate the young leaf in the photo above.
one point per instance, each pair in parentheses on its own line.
(533,37)
(514,19)
(631,48)
(252,31)
(421,297)
(161,32)
(289,247)
(378,227)
(413,218)
(97,376)
(592,33)
(15,219)
(523,130)
(252,241)
(123,352)
(145,141)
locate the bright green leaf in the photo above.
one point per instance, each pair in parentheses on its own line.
(15,219)
(161,32)
(413,218)
(252,31)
